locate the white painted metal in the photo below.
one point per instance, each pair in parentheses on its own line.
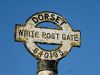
(64,35)
(47,72)
(30,34)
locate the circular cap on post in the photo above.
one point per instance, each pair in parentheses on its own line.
(50,65)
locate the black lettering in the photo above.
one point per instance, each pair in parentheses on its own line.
(61,53)
(52,17)
(48,35)
(63,36)
(46,17)
(76,37)
(43,34)
(71,37)
(57,19)
(26,33)
(51,55)
(35,19)
(53,36)
(32,33)
(36,50)
(46,54)
(21,32)
(55,54)
(40,53)
(63,22)
(40,17)
(57,35)
(68,37)
(37,34)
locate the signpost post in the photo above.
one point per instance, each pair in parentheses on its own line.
(64,35)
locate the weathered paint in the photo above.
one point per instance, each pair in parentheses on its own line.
(50,65)
(64,36)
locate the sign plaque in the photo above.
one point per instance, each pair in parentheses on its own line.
(64,36)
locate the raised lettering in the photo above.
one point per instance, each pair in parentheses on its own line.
(46,55)
(35,20)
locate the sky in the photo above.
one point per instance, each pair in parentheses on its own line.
(83,15)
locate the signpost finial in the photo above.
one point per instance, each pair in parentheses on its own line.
(30,34)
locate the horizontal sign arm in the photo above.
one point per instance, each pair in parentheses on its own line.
(50,36)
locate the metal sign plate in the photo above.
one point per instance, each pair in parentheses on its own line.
(30,34)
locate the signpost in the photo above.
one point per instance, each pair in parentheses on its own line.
(63,35)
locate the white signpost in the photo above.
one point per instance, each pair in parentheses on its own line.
(63,35)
